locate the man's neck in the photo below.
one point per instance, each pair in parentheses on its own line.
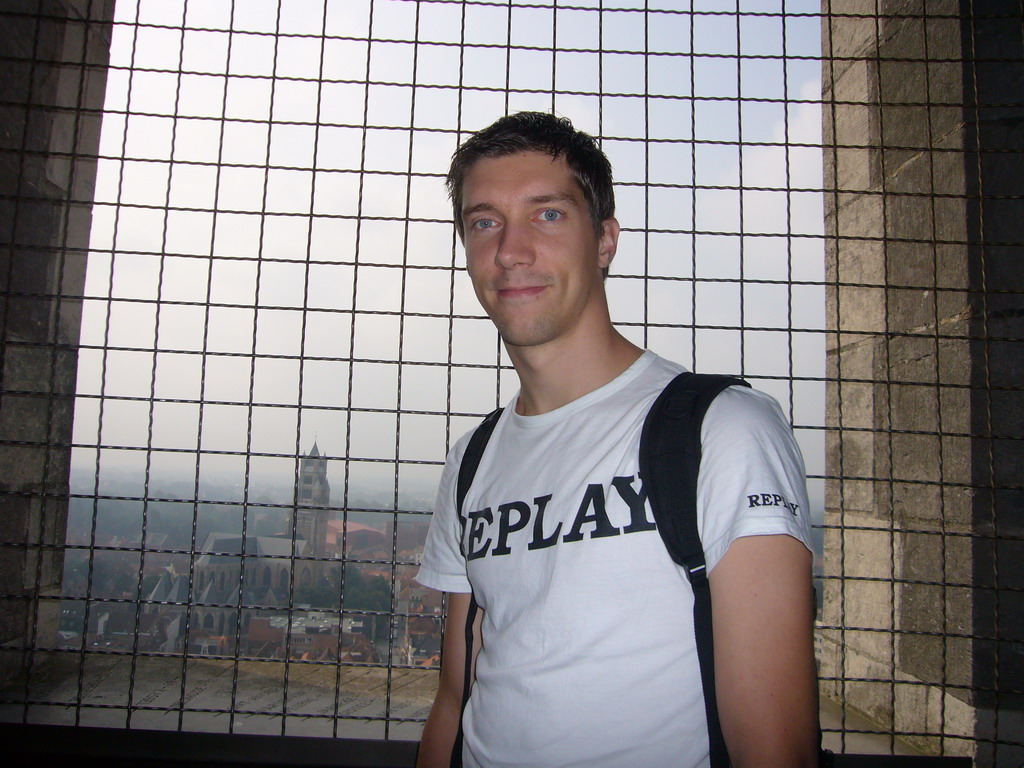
(553,375)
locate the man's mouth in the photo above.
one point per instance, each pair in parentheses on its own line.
(520,292)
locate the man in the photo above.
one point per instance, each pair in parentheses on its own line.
(584,650)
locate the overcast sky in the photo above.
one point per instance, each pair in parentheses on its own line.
(286,251)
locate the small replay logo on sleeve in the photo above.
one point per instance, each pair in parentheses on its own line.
(771,500)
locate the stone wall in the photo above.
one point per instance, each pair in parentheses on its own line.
(52,85)
(920,499)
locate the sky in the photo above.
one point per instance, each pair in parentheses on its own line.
(279,289)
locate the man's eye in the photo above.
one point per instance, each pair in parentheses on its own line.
(483,224)
(551,215)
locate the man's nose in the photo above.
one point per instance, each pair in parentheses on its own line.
(516,246)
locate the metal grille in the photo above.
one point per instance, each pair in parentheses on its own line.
(922,516)
(277,344)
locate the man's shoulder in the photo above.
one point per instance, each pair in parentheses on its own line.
(741,405)
(458,449)
(746,422)
(656,371)
(662,365)
(736,403)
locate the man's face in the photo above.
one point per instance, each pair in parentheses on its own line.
(531,249)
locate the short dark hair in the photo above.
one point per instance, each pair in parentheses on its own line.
(538,132)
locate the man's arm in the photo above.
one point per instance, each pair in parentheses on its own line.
(765,680)
(443,721)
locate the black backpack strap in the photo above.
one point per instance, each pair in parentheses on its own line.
(467,471)
(669,465)
(471,458)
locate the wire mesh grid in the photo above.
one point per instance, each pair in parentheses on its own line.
(923,502)
(277,345)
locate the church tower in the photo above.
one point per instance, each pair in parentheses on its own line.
(314,499)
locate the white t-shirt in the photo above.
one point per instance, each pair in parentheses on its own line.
(588,655)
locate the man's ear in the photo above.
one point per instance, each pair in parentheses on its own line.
(608,242)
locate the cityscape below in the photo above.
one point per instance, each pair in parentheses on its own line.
(256,581)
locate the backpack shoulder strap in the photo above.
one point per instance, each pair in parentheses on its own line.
(669,465)
(670,460)
(467,471)
(471,458)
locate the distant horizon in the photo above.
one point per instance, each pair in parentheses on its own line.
(425,492)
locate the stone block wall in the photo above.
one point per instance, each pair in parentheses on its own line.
(920,500)
(52,81)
